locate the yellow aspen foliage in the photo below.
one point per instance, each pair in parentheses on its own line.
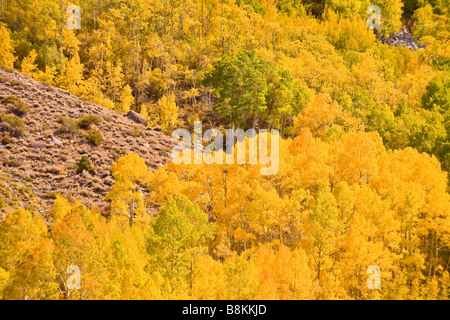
(129,265)
(284,274)
(4,277)
(6,49)
(61,207)
(91,89)
(363,161)
(115,90)
(28,66)
(18,234)
(144,111)
(49,76)
(168,111)
(322,115)
(204,286)
(126,100)
(34,276)
(25,255)
(81,239)
(342,201)
(73,74)
(391,13)
(71,43)
(355,164)
(126,195)
(242,278)
(180,234)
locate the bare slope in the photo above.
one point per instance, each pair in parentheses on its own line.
(43,160)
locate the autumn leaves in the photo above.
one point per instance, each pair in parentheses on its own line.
(338,204)
(340,198)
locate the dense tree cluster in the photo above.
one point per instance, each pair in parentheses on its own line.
(364,158)
(340,203)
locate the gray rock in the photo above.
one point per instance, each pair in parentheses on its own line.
(55,140)
(402,38)
(164,154)
(136,117)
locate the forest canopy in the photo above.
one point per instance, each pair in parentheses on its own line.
(364,155)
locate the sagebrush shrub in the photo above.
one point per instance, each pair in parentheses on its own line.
(87,121)
(94,137)
(16,106)
(12,124)
(84,164)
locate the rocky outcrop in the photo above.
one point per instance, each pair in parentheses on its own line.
(402,38)
(136,117)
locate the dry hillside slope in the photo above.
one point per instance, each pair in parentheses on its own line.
(42,161)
